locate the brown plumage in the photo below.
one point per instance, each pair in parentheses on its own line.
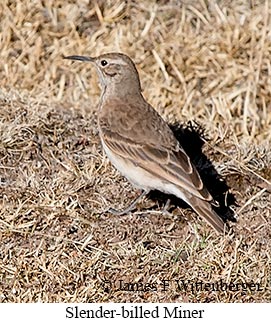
(139,142)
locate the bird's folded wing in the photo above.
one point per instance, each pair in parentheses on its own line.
(173,166)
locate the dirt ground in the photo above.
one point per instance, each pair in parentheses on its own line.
(205,66)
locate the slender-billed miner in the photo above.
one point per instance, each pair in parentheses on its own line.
(139,142)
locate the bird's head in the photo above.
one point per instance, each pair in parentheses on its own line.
(115,70)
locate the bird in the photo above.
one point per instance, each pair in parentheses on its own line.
(139,142)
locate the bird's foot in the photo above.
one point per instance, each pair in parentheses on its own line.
(130,208)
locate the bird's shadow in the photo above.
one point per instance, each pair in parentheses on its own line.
(190,136)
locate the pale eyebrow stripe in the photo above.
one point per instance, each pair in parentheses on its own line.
(118,61)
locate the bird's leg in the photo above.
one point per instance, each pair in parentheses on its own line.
(130,207)
(166,206)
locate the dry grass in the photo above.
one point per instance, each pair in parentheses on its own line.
(207,61)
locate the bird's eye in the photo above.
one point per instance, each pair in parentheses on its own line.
(104,62)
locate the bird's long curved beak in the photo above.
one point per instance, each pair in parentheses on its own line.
(79,58)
